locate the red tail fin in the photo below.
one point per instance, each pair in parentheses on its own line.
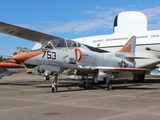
(129,46)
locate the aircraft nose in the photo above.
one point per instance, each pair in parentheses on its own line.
(23,56)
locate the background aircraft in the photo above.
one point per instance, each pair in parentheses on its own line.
(155,72)
(59,54)
(125,25)
(9,67)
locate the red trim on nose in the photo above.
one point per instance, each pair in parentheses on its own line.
(23,56)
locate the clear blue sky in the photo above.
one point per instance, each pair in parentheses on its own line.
(69,18)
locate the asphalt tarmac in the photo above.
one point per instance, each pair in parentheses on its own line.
(28,97)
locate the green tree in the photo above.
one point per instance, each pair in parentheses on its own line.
(3,59)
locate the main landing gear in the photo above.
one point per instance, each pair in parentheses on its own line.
(139,78)
(105,81)
(108,84)
(85,85)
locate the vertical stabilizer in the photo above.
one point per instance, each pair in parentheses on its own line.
(129,46)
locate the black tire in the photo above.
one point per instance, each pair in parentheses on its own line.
(94,80)
(109,86)
(54,89)
(139,78)
(46,77)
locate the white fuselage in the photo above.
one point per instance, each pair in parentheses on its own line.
(67,58)
(113,42)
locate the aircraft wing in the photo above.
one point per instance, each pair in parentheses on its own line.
(25,33)
(133,69)
(132,57)
(32,35)
(119,72)
(96,49)
(116,69)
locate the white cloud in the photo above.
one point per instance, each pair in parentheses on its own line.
(102,18)
(77,26)
(152,13)
(153,17)
(154,26)
(98,19)
(100,8)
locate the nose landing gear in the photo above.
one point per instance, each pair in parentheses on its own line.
(54,84)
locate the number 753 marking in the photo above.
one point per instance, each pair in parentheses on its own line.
(49,55)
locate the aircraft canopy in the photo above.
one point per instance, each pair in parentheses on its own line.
(60,43)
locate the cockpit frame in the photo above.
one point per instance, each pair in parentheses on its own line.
(59,43)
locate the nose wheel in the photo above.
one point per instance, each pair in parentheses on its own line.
(54,88)
(54,84)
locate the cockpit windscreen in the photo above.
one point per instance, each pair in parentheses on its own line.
(60,43)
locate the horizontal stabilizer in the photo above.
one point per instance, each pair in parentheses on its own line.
(114,69)
(95,49)
(134,57)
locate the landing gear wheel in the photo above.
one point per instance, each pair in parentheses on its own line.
(54,84)
(94,80)
(139,78)
(136,78)
(142,78)
(54,89)
(109,86)
(46,78)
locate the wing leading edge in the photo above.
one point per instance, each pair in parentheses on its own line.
(119,72)
(25,33)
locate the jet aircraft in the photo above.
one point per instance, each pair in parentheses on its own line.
(126,24)
(9,67)
(59,54)
(155,72)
